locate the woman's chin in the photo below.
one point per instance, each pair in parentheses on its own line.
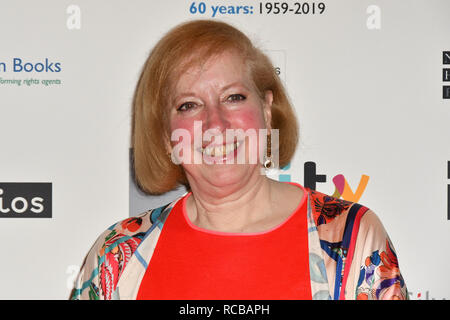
(227,175)
(222,175)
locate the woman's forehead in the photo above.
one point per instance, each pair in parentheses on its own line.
(219,70)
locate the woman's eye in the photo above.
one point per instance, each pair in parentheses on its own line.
(236,98)
(186,106)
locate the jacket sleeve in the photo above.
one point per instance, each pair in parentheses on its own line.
(375,273)
(87,283)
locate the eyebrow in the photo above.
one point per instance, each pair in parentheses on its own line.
(224,88)
(234,84)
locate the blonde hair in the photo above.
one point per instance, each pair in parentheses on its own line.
(188,44)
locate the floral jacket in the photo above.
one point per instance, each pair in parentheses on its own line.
(350,254)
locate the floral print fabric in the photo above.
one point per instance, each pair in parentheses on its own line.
(350,254)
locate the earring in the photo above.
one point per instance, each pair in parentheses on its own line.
(169,155)
(268,163)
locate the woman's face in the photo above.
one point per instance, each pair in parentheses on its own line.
(217,111)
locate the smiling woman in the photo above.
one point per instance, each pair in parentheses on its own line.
(221,99)
(236,234)
(177,60)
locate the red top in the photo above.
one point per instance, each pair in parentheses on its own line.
(194,263)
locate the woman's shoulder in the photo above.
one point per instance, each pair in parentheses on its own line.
(356,244)
(113,250)
(339,220)
(137,227)
(326,209)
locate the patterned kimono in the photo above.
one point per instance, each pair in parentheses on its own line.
(350,254)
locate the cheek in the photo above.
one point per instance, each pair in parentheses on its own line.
(251,118)
(180,129)
(246,118)
(181,139)
(185,124)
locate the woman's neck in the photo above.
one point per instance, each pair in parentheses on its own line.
(239,207)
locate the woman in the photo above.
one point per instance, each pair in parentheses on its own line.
(236,234)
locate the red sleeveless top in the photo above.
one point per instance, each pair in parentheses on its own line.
(191,263)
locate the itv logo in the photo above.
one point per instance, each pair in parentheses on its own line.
(342,187)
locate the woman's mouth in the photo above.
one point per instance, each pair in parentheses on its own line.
(221,150)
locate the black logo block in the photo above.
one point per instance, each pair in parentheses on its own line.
(446,57)
(446,92)
(445,74)
(25,200)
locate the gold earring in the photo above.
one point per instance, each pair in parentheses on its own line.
(268,163)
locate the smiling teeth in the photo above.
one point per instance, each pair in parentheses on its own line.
(220,150)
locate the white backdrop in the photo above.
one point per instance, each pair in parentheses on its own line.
(365,78)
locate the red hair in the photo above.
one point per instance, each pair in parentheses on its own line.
(189,44)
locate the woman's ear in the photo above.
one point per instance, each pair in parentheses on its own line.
(267,108)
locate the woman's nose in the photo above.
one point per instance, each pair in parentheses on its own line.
(216,118)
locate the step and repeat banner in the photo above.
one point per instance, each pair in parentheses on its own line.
(370,82)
